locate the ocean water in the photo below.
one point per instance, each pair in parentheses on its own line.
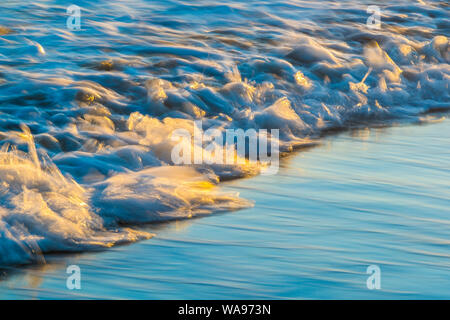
(367,197)
(86,116)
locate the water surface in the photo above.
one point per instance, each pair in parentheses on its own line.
(369,197)
(86,120)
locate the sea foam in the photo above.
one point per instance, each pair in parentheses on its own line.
(86,116)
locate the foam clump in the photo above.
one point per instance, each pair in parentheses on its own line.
(41,210)
(161,194)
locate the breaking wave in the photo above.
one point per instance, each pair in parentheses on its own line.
(86,116)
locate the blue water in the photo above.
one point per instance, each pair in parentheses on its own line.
(370,197)
(86,116)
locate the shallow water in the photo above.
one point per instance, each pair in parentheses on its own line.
(86,116)
(369,197)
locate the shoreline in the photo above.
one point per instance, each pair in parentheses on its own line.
(279,206)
